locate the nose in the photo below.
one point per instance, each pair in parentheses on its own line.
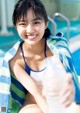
(29,29)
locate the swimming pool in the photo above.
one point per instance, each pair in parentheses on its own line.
(76,59)
(74,46)
(61,27)
(6,42)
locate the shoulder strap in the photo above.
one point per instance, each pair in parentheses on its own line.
(22,52)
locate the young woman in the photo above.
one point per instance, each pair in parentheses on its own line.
(27,65)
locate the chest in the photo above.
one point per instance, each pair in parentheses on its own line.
(38,76)
(37,61)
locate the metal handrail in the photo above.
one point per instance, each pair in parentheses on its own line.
(54,24)
(67,20)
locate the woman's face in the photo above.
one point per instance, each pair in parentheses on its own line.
(31,28)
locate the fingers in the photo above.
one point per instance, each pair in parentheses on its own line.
(69,85)
(68,92)
(67,99)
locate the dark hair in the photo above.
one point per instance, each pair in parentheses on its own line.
(22,7)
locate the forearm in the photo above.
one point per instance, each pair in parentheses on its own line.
(31,87)
(41,101)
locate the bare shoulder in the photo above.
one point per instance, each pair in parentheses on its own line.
(48,52)
(16,60)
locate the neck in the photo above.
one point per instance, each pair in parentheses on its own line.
(37,48)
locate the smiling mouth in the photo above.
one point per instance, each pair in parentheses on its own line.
(32,37)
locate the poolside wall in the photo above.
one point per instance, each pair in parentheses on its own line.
(69,9)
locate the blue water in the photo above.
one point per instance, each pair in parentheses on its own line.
(61,27)
(6,42)
(74,27)
(76,59)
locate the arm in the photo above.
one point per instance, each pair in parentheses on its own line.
(30,85)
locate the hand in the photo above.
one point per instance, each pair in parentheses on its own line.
(68,93)
(76,108)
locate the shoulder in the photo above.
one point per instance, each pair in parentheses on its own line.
(16,60)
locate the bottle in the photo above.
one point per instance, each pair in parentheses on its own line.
(53,84)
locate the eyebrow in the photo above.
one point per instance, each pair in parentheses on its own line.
(37,18)
(34,19)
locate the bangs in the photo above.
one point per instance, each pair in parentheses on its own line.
(21,10)
(23,13)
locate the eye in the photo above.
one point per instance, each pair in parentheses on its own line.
(22,24)
(37,22)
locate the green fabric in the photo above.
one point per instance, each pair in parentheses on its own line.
(15,107)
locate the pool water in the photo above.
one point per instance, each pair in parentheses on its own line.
(74,28)
(6,42)
(76,60)
(61,27)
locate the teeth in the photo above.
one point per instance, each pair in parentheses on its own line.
(31,37)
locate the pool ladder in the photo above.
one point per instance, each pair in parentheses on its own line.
(55,26)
